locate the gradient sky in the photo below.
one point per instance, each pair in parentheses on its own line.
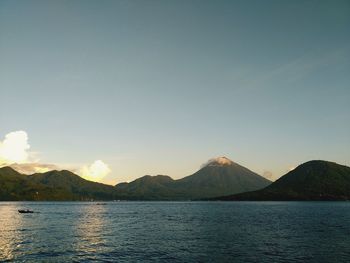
(159,87)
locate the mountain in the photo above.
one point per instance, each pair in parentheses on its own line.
(313,180)
(148,187)
(77,187)
(16,186)
(219,176)
(53,185)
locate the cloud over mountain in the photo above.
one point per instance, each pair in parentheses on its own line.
(14,152)
(31,168)
(95,172)
(217,161)
(14,148)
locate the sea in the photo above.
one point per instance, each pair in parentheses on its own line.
(175,232)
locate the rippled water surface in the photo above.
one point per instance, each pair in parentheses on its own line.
(176,232)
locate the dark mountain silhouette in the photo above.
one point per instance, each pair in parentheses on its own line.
(148,187)
(313,180)
(77,187)
(219,176)
(53,185)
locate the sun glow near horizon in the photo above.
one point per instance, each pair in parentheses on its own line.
(14,152)
(14,148)
(95,172)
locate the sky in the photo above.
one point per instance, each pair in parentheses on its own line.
(115,90)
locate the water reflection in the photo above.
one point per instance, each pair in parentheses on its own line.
(88,239)
(11,226)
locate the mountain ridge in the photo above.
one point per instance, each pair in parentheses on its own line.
(219,177)
(313,180)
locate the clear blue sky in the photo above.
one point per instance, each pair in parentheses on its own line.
(159,87)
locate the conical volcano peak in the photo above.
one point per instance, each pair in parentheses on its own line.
(219,161)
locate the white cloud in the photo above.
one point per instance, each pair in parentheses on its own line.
(31,168)
(95,172)
(14,148)
(14,152)
(217,161)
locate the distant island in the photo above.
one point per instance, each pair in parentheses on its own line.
(219,179)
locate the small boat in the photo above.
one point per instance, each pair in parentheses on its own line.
(25,211)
